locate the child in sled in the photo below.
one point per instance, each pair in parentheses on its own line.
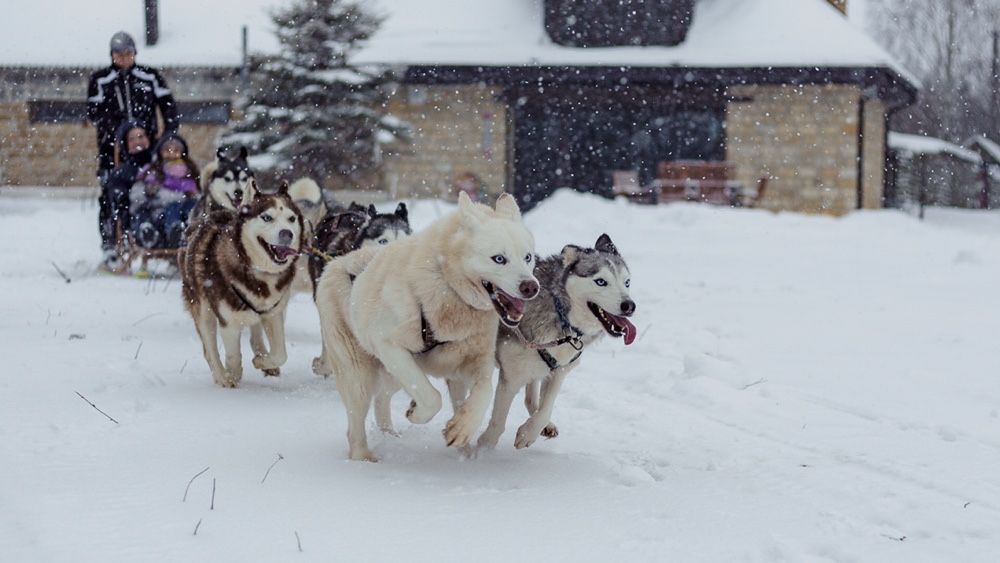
(163,195)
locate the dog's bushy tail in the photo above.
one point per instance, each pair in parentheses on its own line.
(333,294)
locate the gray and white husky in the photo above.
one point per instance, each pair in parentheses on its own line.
(584,294)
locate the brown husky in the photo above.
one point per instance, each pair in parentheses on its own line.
(237,270)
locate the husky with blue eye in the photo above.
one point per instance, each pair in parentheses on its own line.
(584,295)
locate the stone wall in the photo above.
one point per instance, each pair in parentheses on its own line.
(804,139)
(456,129)
(64,154)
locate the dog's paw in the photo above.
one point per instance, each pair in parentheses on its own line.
(459,431)
(320,367)
(487,441)
(418,415)
(272,372)
(264,363)
(550,431)
(526,435)
(226,381)
(364,455)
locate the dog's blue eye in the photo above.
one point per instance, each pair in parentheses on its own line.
(500,259)
(527,259)
(628,283)
(601,282)
(383,241)
(267,218)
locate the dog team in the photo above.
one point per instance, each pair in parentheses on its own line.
(455,300)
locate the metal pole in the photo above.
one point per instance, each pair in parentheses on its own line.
(244,47)
(995,84)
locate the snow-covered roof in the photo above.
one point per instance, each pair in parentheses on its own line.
(988,146)
(76,32)
(724,33)
(919,144)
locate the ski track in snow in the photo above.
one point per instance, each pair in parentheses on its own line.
(802,389)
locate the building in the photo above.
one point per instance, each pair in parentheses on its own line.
(529,95)
(933,171)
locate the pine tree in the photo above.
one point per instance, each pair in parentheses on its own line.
(308,110)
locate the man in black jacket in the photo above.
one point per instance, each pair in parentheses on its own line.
(123,91)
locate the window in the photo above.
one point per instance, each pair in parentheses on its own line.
(73,111)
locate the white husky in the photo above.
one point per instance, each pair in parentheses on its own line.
(427,304)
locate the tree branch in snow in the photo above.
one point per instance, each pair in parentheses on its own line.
(280,457)
(196,526)
(149,316)
(136,357)
(212,506)
(95,407)
(758,382)
(61,273)
(299,540)
(196,475)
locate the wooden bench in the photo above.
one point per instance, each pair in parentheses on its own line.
(702,181)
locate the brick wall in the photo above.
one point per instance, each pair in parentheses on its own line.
(805,140)
(456,129)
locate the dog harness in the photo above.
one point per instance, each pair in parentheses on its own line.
(427,334)
(573,338)
(249,305)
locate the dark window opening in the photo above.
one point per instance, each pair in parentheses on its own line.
(72,111)
(580,140)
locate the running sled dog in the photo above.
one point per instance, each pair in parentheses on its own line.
(346,230)
(584,294)
(427,304)
(227,184)
(236,272)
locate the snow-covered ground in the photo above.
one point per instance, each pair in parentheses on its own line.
(803,389)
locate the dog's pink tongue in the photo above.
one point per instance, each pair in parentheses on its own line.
(629,330)
(283,251)
(516,305)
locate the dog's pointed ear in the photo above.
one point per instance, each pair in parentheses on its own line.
(283,188)
(604,244)
(243,152)
(371,210)
(464,201)
(402,213)
(507,206)
(569,254)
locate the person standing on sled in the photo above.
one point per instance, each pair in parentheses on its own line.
(118,93)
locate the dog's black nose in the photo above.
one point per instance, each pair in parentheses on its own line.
(238,194)
(285,237)
(528,289)
(628,307)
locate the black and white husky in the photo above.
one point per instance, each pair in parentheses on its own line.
(227,183)
(584,294)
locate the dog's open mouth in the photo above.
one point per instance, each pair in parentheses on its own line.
(279,254)
(510,308)
(615,325)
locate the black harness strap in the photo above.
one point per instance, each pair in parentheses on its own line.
(427,334)
(249,305)
(572,337)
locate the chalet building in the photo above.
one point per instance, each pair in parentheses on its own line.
(529,96)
